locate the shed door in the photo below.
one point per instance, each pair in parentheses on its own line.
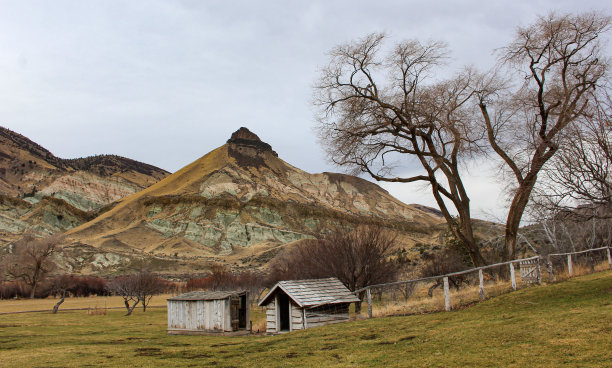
(283,311)
(242,315)
(235,313)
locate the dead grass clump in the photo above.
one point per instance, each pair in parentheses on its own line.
(95,311)
(421,303)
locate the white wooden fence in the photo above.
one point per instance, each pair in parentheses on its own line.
(529,267)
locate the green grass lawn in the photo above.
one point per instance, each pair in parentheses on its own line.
(565,324)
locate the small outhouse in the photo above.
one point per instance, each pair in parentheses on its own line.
(203,312)
(301,304)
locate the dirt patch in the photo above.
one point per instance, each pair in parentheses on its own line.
(5,326)
(369,337)
(329,347)
(406,338)
(224,344)
(177,344)
(291,355)
(148,352)
(196,356)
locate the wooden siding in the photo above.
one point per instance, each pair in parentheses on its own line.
(326,315)
(210,315)
(296,317)
(271,316)
(315,317)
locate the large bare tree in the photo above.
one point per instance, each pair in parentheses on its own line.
(31,260)
(553,68)
(380,109)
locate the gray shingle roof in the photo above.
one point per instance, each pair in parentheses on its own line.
(206,295)
(308,293)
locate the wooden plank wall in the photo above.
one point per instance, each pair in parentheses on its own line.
(271,317)
(198,315)
(327,315)
(296,317)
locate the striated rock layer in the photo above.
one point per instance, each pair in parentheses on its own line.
(239,204)
(44,194)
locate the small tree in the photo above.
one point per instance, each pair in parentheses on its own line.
(147,285)
(357,258)
(31,260)
(136,288)
(61,285)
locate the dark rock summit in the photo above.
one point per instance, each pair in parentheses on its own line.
(247,149)
(245,138)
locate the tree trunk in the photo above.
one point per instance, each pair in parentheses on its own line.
(515,214)
(131,309)
(57,305)
(33,291)
(463,231)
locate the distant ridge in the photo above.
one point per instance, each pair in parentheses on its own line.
(45,194)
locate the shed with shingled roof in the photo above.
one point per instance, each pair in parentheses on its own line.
(204,312)
(300,304)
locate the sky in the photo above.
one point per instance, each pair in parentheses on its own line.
(165,82)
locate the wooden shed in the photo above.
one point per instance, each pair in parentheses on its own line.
(301,304)
(204,312)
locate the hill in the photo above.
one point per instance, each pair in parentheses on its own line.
(47,194)
(238,204)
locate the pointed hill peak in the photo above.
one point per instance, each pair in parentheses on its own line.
(244,134)
(247,149)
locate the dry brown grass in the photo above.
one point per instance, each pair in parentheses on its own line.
(91,302)
(95,311)
(579,269)
(419,302)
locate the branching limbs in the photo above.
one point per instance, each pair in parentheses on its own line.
(375,110)
(559,64)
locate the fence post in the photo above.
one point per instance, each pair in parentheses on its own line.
(447,305)
(570,269)
(550,269)
(481,280)
(538,273)
(369,299)
(609,258)
(512,276)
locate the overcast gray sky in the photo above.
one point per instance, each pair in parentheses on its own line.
(165,82)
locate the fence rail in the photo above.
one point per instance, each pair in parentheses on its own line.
(530,270)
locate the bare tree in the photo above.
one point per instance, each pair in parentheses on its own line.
(124,286)
(31,260)
(136,288)
(376,110)
(148,285)
(61,285)
(358,258)
(554,67)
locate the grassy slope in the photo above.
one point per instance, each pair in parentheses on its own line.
(565,324)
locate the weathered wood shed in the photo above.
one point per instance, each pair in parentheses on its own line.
(203,312)
(301,304)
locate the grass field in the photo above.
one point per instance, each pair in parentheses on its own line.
(565,324)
